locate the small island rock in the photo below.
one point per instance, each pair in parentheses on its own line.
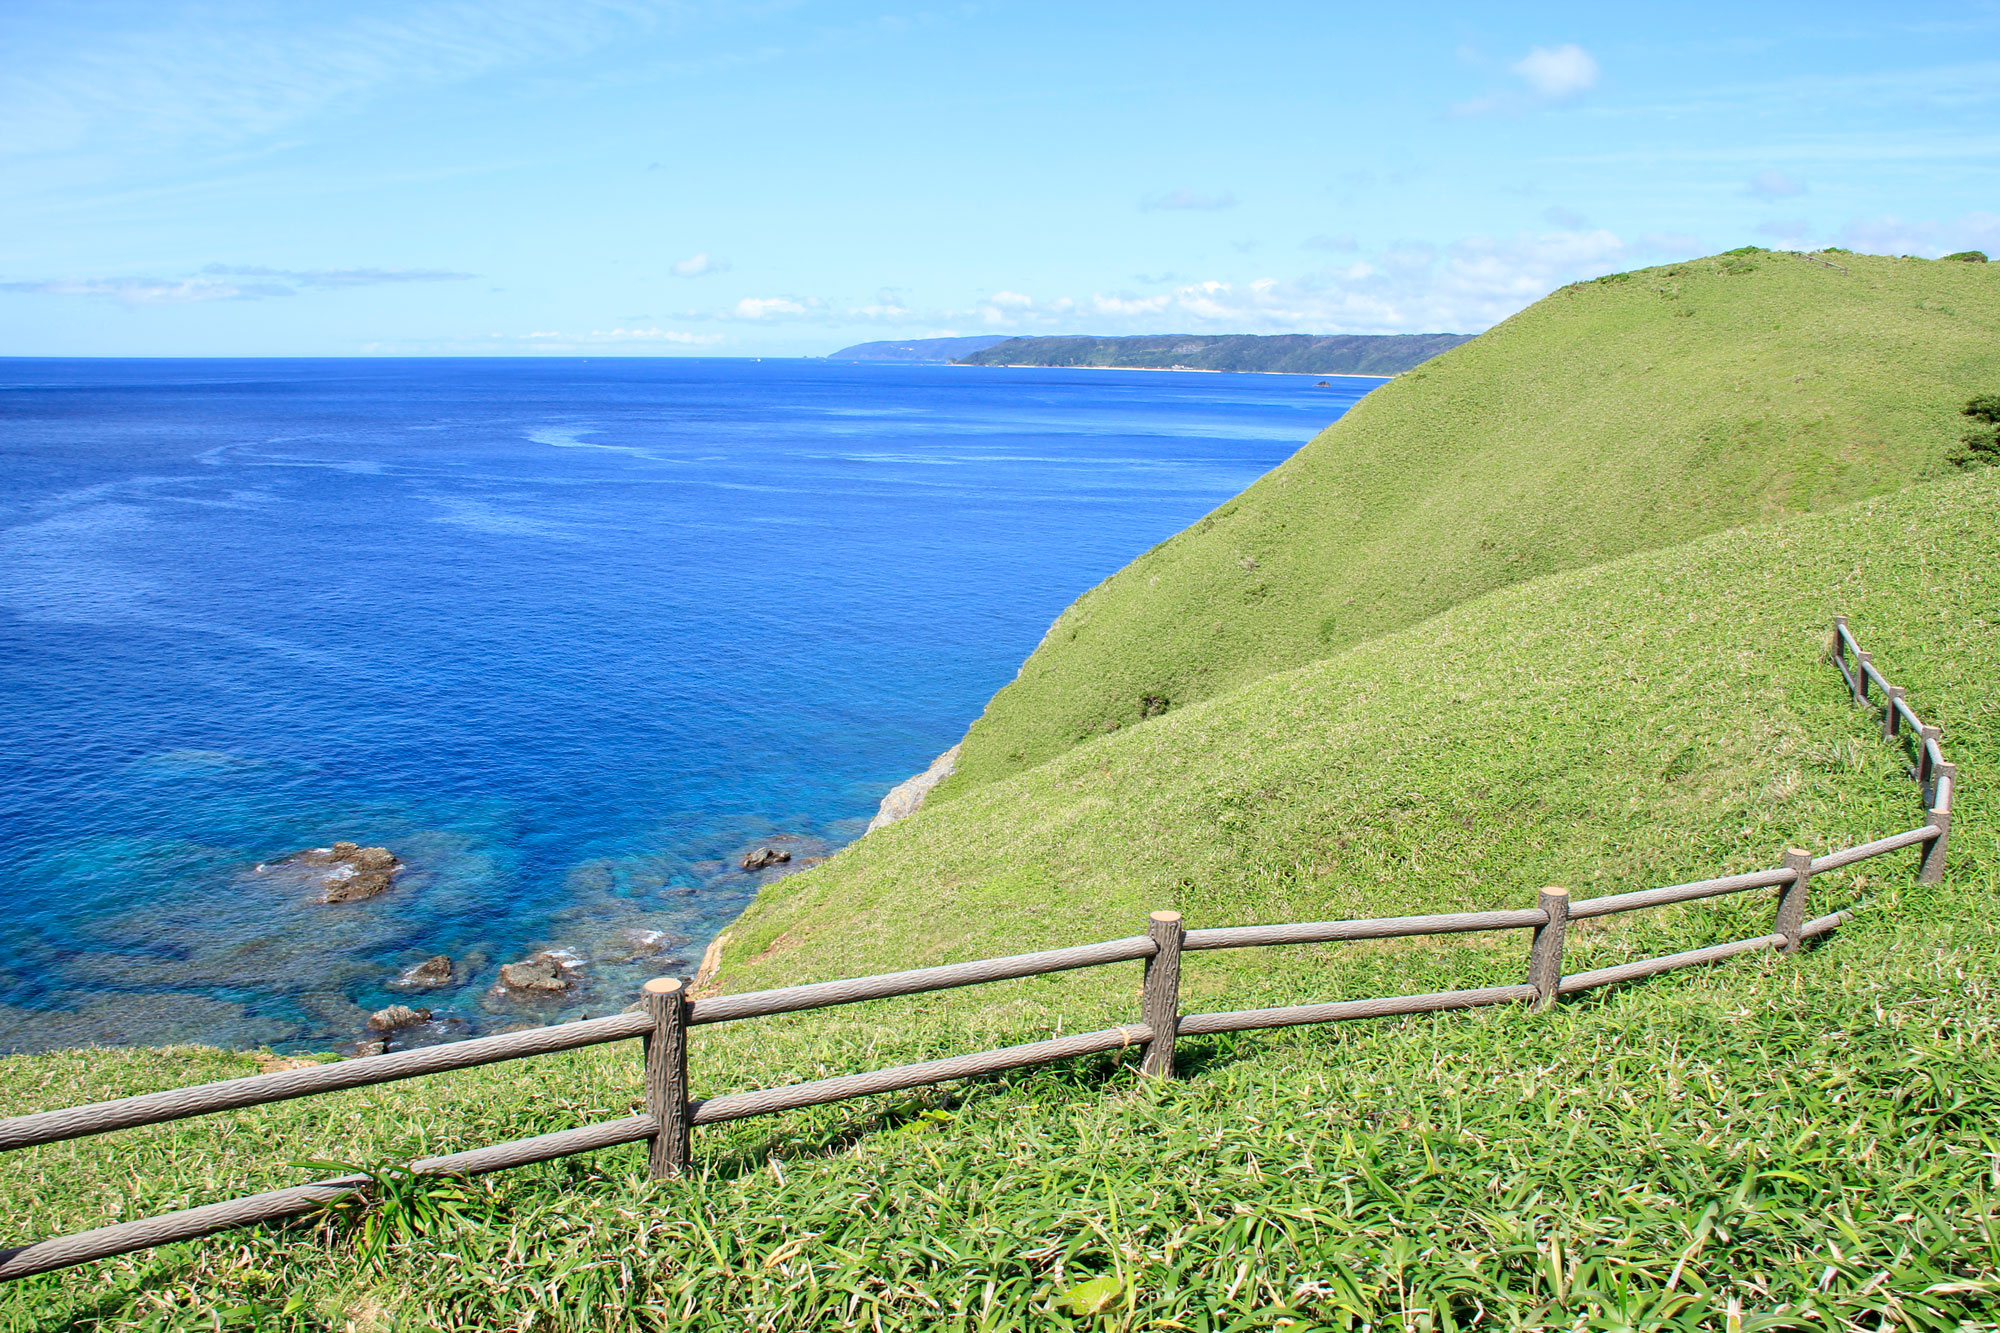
(430,974)
(545,973)
(765,856)
(345,872)
(397,1016)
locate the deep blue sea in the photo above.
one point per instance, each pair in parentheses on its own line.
(567,636)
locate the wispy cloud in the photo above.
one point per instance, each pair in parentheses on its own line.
(1463,287)
(774,307)
(695,266)
(1896,236)
(337,277)
(1552,74)
(225,282)
(1785,229)
(223,74)
(552,339)
(1773,185)
(1188,198)
(150,291)
(1557,71)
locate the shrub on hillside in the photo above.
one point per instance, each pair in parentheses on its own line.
(1980,446)
(1969,256)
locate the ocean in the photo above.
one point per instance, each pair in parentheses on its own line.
(569,637)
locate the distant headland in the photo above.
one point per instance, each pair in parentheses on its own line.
(1291,353)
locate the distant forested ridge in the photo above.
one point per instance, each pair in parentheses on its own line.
(1294,353)
(915,349)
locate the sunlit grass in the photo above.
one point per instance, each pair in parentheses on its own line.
(1798,1141)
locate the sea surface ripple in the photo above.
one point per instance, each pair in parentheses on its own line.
(568,636)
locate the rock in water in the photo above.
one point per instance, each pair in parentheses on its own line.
(635,943)
(397,1016)
(430,974)
(905,797)
(765,856)
(345,872)
(543,973)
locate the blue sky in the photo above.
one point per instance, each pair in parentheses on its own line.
(510,177)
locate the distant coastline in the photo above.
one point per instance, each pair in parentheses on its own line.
(1175,370)
(1356,356)
(1374,356)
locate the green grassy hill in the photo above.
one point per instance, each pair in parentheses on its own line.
(1634,412)
(1799,1142)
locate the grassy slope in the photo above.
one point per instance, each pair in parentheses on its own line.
(1808,1135)
(1611,417)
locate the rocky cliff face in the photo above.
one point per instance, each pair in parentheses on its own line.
(904,798)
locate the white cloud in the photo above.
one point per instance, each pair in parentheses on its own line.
(1785,229)
(772,307)
(1463,287)
(205,72)
(1670,244)
(695,266)
(227,282)
(1557,71)
(1188,198)
(149,291)
(1773,185)
(552,339)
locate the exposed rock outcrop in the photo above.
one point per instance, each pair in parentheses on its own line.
(905,797)
(764,856)
(343,873)
(706,975)
(549,972)
(430,974)
(397,1016)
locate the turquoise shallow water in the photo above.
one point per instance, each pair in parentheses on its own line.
(569,637)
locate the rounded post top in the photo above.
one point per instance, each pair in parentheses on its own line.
(1165,918)
(1798,853)
(662,986)
(1840,620)
(1555,891)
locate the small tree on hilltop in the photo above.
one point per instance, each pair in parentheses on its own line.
(1980,446)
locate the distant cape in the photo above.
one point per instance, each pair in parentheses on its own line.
(1290,353)
(917,349)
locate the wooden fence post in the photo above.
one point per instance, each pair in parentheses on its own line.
(1160,1004)
(1545,957)
(1892,720)
(1792,898)
(1932,870)
(1862,661)
(666,1076)
(1925,733)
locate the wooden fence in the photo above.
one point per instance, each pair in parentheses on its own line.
(666,1014)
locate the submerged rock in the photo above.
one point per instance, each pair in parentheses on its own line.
(430,974)
(635,943)
(906,797)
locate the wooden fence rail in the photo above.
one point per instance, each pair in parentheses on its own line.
(666,1013)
